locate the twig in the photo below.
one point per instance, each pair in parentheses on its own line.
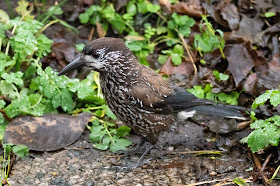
(116,156)
(188,51)
(259,167)
(91,34)
(228,180)
(174,153)
(265,163)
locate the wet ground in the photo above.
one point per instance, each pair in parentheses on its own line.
(174,161)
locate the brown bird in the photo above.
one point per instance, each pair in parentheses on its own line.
(137,95)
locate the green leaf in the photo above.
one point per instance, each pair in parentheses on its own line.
(142,7)
(56,101)
(178,49)
(55,10)
(3,126)
(153,8)
(197,91)
(93,9)
(162,58)
(97,133)
(50,91)
(2,103)
(273,95)
(8,89)
(108,112)
(176,59)
(7,147)
(134,46)
(4,17)
(202,44)
(21,9)
(15,78)
(21,150)
(84,18)
(222,96)
(123,131)
(259,139)
(171,24)
(118,23)
(67,101)
(269,14)
(43,45)
(101,146)
(216,74)
(185,30)
(262,98)
(131,8)
(161,30)
(266,133)
(220,76)
(239,181)
(275,99)
(80,47)
(30,72)
(119,144)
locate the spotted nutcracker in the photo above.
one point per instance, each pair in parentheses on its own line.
(137,95)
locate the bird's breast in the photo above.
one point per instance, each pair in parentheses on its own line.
(130,110)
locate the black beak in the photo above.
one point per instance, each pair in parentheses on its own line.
(72,66)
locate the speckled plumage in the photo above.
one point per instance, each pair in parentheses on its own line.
(136,94)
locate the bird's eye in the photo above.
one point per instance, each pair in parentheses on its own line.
(95,55)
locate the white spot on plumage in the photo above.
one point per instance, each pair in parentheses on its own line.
(185,115)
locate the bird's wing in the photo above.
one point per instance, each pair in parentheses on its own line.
(153,94)
(149,91)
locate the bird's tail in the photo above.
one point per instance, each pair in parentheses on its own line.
(220,110)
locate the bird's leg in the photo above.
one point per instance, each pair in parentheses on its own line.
(143,155)
(140,160)
(137,148)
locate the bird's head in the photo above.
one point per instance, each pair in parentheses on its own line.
(103,55)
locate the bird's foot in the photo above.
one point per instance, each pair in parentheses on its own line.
(130,167)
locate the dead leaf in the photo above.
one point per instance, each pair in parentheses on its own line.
(230,14)
(225,13)
(48,133)
(274,65)
(191,8)
(185,68)
(260,38)
(240,61)
(250,83)
(248,29)
(63,45)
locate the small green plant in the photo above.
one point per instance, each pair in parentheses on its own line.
(104,15)
(272,95)
(28,89)
(239,181)
(268,14)
(275,174)
(220,76)
(177,53)
(105,135)
(206,93)
(266,132)
(207,41)
(181,24)
(5,160)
